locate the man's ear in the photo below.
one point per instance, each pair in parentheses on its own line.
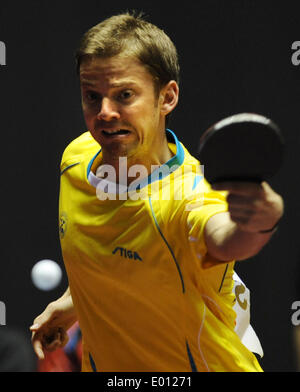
(169,97)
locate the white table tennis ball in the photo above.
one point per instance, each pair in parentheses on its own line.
(46,274)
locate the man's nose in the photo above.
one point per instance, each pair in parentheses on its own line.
(108,110)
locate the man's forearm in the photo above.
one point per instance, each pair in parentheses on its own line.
(225,241)
(67,293)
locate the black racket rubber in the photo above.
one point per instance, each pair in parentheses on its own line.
(242,147)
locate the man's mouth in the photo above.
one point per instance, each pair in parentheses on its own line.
(116,132)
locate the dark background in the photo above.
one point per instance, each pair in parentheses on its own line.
(235,56)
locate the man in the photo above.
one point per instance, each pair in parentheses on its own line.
(150,277)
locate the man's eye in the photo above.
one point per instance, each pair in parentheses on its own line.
(125,95)
(91,96)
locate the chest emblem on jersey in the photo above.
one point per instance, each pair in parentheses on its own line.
(63,223)
(128,254)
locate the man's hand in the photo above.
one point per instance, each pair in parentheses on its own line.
(253,211)
(49,329)
(253,207)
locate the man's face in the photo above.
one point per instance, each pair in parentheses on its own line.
(120,106)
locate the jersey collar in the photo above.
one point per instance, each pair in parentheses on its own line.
(158,174)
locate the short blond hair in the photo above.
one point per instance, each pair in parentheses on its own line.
(131,35)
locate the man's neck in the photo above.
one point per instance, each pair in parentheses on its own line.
(137,166)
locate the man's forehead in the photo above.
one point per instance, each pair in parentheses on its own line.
(113,71)
(109,67)
(92,75)
(109,79)
(111,83)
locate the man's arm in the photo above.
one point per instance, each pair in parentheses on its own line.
(240,233)
(49,329)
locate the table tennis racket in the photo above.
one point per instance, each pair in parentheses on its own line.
(242,147)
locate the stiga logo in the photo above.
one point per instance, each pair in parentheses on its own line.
(2,53)
(128,254)
(2,313)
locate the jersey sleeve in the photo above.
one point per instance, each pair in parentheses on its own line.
(76,149)
(204,204)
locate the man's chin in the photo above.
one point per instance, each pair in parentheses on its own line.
(118,149)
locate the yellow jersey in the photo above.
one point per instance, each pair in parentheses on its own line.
(147,294)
